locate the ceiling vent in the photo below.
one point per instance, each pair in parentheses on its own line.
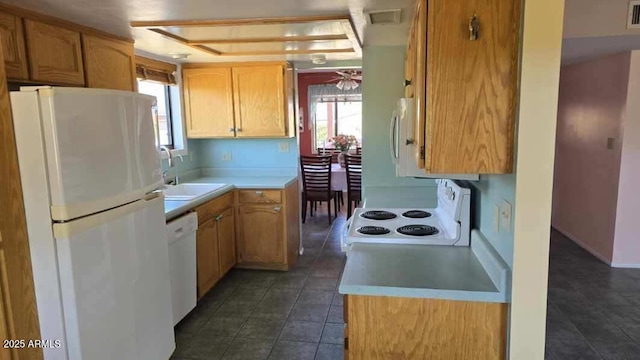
(384,17)
(633,21)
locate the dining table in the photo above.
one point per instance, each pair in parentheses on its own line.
(338,178)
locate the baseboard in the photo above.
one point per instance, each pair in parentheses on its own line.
(583,245)
(625,266)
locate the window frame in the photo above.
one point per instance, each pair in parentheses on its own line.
(335,101)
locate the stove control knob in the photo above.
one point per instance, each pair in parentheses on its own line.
(449,193)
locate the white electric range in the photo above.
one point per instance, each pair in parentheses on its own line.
(447,224)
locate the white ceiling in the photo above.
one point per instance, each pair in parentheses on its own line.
(114,16)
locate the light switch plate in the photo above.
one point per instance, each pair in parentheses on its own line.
(496,218)
(505,215)
(226,156)
(283,147)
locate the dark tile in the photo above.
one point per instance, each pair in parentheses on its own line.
(632,329)
(248,349)
(569,349)
(318,283)
(309,312)
(597,330)
(330,352)
(261,329)
(336,314)
(327,272)
(222,326)
(581,311)
(293,350)
(235,309)
(333,334)
(205,348)
(302,331)
(272,310)
(315,297)
(247,294)
(191,323)
(562,328)
(338,299)
(292,282)
(617,350)
(281,295)
(622,313)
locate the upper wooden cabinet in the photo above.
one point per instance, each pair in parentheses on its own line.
(239,100)
(468,85)
(13,47)
(55,54)
(109,63)
(259,101)
(208,102)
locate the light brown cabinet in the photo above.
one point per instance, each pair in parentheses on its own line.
(268,228)
(109,63)
(55,54)
(208,101)
(470,85)
(215,241)
(232,100)
(13,47)
(208,268)
(383,327)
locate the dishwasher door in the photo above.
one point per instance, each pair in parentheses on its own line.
(181,236)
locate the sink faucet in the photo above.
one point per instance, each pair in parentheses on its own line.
(169,158)
(177,180)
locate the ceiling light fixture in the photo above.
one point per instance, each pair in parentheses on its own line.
(319,59)
(179,56)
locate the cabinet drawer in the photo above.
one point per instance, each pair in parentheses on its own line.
(214,207)
(260,196)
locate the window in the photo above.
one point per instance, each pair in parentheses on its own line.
(336,116)
(164,109)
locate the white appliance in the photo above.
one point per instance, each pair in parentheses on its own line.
(447,224)
(89,167)
(181,236)
(403,144)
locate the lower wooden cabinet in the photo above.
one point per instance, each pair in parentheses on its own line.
(207,256)
(383,327)
(226,241)
(268,227)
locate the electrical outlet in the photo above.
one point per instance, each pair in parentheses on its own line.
(283,147)
(505,215)
(226,156)
(496,218)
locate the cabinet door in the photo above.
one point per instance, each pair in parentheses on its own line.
(419,86)
(471,86)
(15,54)
(227,241)
(109,63)
(261,234)
(207,256)
(55,54)
(208,101)
(259,101)
(410,63)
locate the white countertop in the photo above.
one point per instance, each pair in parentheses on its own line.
(474,273)
(173,208)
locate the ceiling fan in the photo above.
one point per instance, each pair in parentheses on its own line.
(347,80)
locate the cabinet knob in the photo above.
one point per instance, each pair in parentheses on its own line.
(474,28)
(277,209)
(409,142)
(407,82)
(259,193)
(219,217)
(238,129)
(232,129)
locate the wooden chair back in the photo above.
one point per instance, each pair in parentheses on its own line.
(329,151)
(359,150)
(316,177)
(354,176)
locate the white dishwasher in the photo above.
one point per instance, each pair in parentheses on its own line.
(181,236)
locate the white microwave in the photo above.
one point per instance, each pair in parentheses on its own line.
(403,146)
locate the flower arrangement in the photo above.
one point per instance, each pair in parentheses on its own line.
(343,142)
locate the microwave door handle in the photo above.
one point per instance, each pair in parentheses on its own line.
(393,131)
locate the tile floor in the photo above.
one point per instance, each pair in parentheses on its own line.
(594,310)
(293,315)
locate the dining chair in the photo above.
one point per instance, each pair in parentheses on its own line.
(329,151)
(359,150)
(316,184)
(354,181)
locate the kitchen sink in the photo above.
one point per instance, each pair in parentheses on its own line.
(185,192)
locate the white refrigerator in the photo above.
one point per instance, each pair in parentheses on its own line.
(90,168)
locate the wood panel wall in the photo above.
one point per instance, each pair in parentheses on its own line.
(16,278)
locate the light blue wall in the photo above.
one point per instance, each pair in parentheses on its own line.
(187,164)
(486,193)
(383,70)
(247,153)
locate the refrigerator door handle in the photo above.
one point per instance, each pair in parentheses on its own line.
(393,137)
